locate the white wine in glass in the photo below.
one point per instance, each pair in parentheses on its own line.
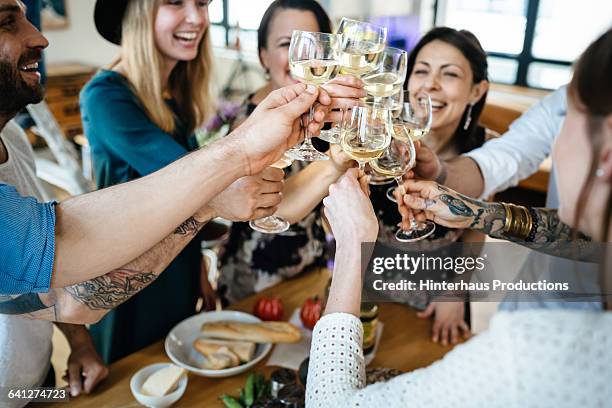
(360,50)
(314,72)
(383,84)
(273,224)
(360,57)
(389,76)
(365,133)
(313,60)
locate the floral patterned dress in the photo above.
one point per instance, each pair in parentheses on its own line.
(252,261)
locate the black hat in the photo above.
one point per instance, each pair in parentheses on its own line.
(108,16)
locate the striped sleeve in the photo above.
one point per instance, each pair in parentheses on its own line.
(27,243)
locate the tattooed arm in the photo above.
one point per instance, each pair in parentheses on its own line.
(89,301)
(454,210)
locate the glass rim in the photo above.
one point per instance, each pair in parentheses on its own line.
(316,33)
(377,26)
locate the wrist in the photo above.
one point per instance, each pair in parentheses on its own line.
(442,174)
(234,147)
(76,335)
(205,214)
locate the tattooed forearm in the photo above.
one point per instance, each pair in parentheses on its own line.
(112,289)
(88,301)
(551,235)
(456,206)
(190,227)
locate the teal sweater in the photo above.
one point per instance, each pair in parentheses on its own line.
(125,145)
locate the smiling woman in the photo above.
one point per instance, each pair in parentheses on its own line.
(154,96)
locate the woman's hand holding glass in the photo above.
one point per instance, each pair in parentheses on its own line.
(348,201)
(429,200)
(313,60)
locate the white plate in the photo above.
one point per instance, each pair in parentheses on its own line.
(179,343)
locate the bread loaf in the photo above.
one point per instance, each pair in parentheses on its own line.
(243,349)
(264,332)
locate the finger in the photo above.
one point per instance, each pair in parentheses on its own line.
(262,212)
(320,113)
(271,187)
(466,329)
(347,80)
(427,312)
(417,203)
(343,91)
(74,379)
(444,334)
(418,186)
(94,377)
(272,174)
(324,97)
(435,331)
(295,107)
(454,334)
(269,200)
(333,117)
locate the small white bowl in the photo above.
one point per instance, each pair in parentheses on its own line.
(141,376)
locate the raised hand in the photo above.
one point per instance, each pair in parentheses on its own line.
(276,124)
(349,210)
(250,197)
(345,91)
(440,204)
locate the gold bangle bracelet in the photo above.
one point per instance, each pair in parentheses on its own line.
(518,222)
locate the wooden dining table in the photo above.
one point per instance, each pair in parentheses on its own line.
(405,345)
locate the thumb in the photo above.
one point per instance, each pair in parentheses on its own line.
(295,107)
(427,312)
(74,379)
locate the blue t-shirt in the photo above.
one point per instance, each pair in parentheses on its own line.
(27,244)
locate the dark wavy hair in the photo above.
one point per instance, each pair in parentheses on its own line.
(314,7)
(591,91)
(470,47)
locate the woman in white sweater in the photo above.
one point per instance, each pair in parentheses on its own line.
(528,358)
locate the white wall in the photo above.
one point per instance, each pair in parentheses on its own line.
(80,42)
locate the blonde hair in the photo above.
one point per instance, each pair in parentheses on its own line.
(189,81)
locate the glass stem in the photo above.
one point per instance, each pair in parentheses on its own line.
(307,143)
(413,223)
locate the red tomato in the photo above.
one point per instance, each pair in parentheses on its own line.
(311,312)
(268,309)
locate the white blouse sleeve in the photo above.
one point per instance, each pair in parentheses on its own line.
(467,376)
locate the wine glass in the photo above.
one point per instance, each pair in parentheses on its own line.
(366,132)
(273,224)
(388,77)
(313,60)
(360,50)
(416,117)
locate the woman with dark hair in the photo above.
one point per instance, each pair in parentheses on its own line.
(253,260)
(451,66)
(537,357)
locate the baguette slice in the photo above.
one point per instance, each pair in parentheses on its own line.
(264,332)
(243,349)
(218,361)
(162,381)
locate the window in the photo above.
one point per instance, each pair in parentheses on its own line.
(232,18)
(529,42)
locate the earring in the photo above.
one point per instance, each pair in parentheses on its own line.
(600,172)
(468,118)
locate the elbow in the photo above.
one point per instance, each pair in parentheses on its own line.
(81,314)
